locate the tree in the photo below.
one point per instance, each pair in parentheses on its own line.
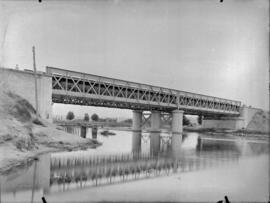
(94,117)
(185,120)
(86,117)
(70,115)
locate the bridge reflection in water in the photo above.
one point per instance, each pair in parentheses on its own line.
(70,171)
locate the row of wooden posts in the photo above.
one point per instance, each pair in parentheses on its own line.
(119,168)
(94,160)
(84,159)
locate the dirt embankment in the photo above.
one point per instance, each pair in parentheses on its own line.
(23,135)
(259,122)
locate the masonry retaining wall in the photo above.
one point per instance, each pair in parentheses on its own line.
(22,83)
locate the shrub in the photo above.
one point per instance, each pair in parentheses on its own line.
(38,122)
(94,117)
(70,115)
(86,117)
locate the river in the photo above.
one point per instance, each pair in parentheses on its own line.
(207,169)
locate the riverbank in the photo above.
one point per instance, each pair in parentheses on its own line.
(210,131)
(24,135)
(12,159)
(238,133)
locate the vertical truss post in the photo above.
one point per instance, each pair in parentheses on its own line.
(178,100)
(99,81)
(66,84)
(83,90)
(113,89)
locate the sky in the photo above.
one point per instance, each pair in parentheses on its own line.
(201,46)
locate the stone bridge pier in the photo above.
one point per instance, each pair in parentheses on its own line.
(137,131)
(155,131)
(177,130)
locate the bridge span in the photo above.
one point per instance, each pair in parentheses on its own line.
(72,87)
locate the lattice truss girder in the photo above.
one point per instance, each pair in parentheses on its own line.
(138,93)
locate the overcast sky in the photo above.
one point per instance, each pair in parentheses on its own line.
(207,47)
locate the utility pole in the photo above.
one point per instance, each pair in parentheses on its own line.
(35,73)
(34,180)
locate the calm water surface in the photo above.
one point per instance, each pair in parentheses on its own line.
(206,168)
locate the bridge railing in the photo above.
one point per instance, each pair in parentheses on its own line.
(134,95)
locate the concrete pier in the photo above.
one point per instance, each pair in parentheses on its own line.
(155,133)
(94,132)
(177,129)
(83,131)
(177,121)
(136,131)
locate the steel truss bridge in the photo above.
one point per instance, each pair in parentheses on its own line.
(71,87)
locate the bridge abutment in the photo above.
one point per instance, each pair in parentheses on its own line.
(249,118)
(22,83)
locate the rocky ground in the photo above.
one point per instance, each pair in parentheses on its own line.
(24,135)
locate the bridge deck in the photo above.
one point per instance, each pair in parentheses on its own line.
(73,87)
